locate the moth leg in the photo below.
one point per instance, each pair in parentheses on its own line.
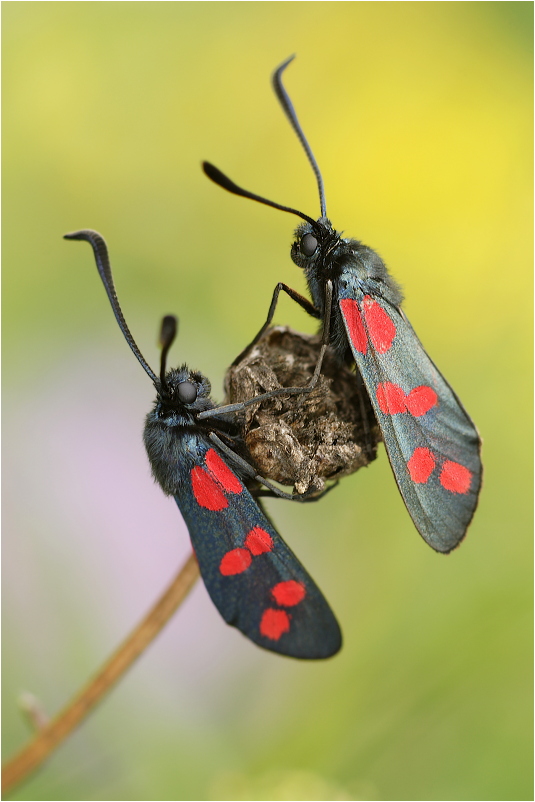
(212,413)
(324,335)
(300,299)
(249,471)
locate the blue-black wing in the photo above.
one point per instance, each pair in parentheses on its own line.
(254,580)
(432,444)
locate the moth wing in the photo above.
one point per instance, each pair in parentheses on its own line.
(254,579)
(432,444)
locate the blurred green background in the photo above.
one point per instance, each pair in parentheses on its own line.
(420,116)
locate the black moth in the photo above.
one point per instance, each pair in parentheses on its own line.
(432,444)
(254,580)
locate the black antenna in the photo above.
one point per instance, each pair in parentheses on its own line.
(167,335)
(289,110)
(100,252)
(221,179)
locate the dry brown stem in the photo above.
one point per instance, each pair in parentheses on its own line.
(52,734)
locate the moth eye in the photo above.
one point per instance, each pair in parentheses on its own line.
(308,245)
(187,392)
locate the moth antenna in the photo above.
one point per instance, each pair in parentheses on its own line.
(168,332)
(215,175)
(289,110)
(102,260)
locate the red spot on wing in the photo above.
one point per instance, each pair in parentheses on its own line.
(421,400)
(235,562)
(391,398)
(288,594)
(421,465)
(353,318)
(380,325)
(455,477)
(274,623)
(258,541)
(221,471)
(208,494)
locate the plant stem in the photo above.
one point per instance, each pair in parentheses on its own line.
(50,736)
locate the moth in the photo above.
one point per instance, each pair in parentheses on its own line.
(432,444)
(254,579)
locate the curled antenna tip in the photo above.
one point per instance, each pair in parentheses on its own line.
(223,181)
(87,235)
(102,260)
(210,170)
(287,106)
(218,177)
(285,64)
(168,331)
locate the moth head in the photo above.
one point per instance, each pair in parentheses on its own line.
(313,242)
(179,389)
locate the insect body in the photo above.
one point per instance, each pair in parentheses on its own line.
(253,578)
(432,444)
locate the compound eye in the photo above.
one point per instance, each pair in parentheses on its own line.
(308,245)
(187,392)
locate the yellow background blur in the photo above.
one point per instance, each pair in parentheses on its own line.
(420,116)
